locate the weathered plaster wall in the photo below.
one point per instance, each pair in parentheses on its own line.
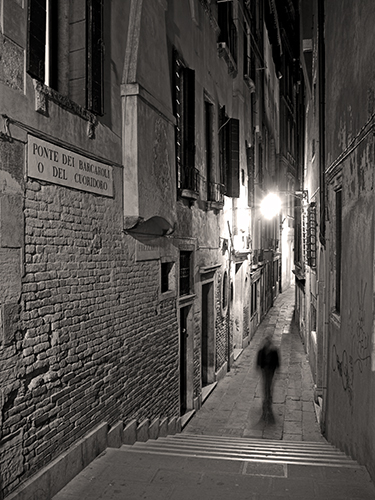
(350,104)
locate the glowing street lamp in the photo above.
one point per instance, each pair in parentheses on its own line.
(270,206)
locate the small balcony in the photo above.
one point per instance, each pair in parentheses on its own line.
(190,184)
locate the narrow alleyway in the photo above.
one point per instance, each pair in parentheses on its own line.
(227,451)
(234,408)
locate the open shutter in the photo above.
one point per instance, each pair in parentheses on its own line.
(250,175)
(223,148)
(36,46)
(189,112)
(95,56)
(233,174)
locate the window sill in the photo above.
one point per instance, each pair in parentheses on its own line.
(44,94)
(189,194)
(186,299)
(169,294)
(215,205)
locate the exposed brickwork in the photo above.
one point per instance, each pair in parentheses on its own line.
(221,328)
(197,376)
(96,344)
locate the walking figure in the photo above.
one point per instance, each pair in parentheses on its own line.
(268,362)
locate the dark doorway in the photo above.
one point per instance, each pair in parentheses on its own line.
(183,358)
(208,335)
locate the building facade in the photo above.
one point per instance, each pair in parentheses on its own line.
(335,268)
(138,139)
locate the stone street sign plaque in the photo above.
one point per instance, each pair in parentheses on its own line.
(51,163)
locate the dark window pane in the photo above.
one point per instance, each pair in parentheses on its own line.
(95,56)
(185,272)
(338,247)
(36,39)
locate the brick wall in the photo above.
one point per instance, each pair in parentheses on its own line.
(221,327)
(93,342)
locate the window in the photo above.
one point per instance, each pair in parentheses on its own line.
(250,175)
(260,165)
(338,248)
(184,109)
(167,277)
(254,302)
(95,46)
(185,272)
(208,116)
(224,293)
(248,59)
(228,30)
(65,48)
(229,154)
(214,187)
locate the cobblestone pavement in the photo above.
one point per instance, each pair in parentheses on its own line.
(234,408)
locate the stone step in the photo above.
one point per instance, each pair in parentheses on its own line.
(242,449)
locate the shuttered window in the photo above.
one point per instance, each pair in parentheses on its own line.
(184,109)
(189,114)
(223,146)
(250,175)
(233,164)
(229,156)
(338,248)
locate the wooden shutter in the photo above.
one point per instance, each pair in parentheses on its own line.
(250,175)
(189,118)
(36,46)
(223,147)
(233,165)
(95,56)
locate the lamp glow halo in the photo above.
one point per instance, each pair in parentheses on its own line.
(270,205)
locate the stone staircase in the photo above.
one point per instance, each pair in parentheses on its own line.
(245,450)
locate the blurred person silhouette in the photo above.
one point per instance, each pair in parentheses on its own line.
(268,362)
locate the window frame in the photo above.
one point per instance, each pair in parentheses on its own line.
(228,29)
(186,290)
(184,111)
(229,154)
(169,266)
(338,247)
(46,60)
(94,56)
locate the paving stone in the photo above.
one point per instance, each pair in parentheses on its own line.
(292,427)
(293,416)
